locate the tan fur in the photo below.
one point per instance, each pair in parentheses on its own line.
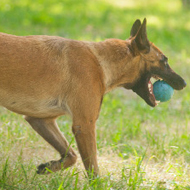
(43,77)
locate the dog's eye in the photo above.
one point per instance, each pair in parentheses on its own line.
(164,60)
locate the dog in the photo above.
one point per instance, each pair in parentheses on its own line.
(44,77)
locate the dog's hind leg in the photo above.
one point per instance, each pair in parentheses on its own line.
(48,129)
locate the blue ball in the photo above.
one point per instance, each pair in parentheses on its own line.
(162,91)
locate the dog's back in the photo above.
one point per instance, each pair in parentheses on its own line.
(37,72)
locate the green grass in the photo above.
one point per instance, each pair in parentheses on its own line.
(138,147)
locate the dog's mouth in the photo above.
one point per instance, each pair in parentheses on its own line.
(144,88)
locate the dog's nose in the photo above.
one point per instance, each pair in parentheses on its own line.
(185,84)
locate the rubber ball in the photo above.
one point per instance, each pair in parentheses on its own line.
(162,91)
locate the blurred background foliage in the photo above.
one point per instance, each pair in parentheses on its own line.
(91,20)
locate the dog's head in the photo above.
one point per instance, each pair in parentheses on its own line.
(155,64)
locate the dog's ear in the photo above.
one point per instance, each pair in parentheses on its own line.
(141,39)
(135,27)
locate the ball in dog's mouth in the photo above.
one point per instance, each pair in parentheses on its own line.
(162,91)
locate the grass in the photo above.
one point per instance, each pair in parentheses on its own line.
(138,147)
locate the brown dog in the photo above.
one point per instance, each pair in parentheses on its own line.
(43,77)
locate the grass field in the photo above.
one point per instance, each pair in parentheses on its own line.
(139,147)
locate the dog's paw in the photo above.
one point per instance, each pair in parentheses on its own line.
(43,168)
(49,167)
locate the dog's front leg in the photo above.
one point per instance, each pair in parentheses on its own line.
(85,112)
(85,136)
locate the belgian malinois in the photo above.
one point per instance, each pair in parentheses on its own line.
(44,77)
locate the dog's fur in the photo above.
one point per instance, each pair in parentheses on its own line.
(44,77)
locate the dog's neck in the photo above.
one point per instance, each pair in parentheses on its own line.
(118,62)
